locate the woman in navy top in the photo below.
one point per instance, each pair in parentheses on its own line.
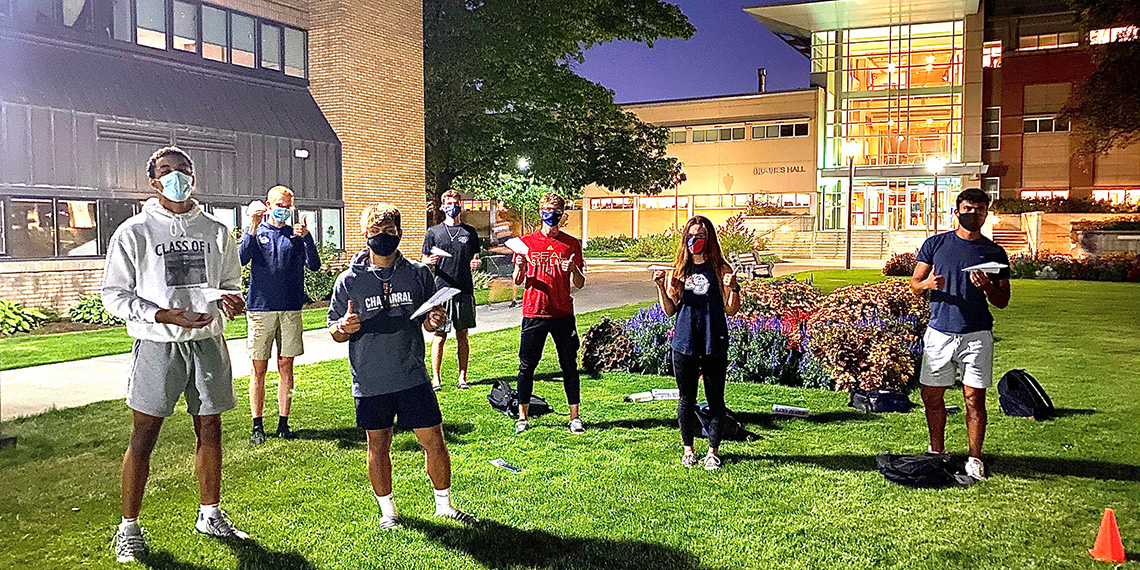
(701,290)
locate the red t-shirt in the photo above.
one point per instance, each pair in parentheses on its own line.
(547,294)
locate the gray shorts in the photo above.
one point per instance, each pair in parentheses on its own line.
(163,371)
(460,314)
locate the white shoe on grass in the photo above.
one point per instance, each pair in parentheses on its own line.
(577,427)
(712,462)
(389,523)
(521,426)
(975,468)
(129,546)
(218,526)
(689,459)
(456,514)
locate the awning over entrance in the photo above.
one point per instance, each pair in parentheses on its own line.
(121,84)
(905,171)
(800,18)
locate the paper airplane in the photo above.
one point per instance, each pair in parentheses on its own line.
(517,245)
(436,300)
(500,462)
(436,251)
(987,267)
(214,294)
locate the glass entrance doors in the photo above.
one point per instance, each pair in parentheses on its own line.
(890,204)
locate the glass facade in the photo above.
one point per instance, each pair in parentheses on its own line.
(895,90)
(890,204)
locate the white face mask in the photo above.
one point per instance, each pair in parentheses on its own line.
(177,186)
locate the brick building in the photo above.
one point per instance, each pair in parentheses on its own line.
(324,96)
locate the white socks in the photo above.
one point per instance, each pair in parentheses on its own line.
(443,501)
(130,526)
(387,507)
(210,511)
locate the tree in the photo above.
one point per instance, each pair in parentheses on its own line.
(519,193)
(1105,109)
(499,85)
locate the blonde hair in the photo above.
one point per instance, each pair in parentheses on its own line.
(379,214)
(277,192)
(450,194)
(553,199)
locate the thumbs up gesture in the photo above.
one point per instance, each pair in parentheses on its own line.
(350,322)
(301,229)
(934,280)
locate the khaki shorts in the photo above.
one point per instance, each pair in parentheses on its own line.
(266,327)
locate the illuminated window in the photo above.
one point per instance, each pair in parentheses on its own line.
(1048,41)
(1118,196)
(616,203)
(991,54)
(1043,194)
(992,186)
(664,203)
(1109,35)
(678,137)
(991,128)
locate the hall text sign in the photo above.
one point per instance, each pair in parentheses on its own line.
(789,169)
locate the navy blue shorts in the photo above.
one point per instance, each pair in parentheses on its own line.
(416,407)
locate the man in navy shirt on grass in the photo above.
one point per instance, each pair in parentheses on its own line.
(277,254)
(960,335)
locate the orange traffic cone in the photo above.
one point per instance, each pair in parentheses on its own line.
(1108,547)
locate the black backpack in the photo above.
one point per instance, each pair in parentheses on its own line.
(920,471)
(506,399)
(1021,395)
(730,428)
(879,401)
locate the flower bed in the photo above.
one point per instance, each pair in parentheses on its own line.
(901,265)
(1116,266)
(789,334)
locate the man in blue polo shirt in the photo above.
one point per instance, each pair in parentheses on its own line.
(277,254)
(960,335)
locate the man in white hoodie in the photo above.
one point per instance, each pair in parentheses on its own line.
(165,274)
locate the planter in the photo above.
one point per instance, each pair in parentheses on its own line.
(1100,242)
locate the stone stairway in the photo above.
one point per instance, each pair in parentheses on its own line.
(865,244)
(1013,241)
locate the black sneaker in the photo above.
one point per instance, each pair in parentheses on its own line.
(286,434)
(257,437)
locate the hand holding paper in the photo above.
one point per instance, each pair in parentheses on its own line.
(517,246)
(436,300)
(439,252)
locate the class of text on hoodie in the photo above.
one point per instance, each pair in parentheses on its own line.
(161,260)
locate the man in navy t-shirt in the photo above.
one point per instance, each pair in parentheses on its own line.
(960,335)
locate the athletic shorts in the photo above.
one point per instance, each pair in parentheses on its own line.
(460,314)
(416,407)
(268,327)
(163,371)
(945,355)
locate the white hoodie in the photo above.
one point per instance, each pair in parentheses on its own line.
(161,260)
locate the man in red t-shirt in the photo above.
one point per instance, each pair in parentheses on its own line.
(553,261)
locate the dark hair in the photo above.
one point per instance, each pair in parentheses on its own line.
(973,195)
(165,151)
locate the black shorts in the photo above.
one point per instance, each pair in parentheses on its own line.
(460,314)
(416,407)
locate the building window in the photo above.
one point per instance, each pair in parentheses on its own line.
(295,53)
(271,47)
(1118,196)
(121,20)
(185,26)
(991,128)
(1043,194)
(664,202)
(78,234)
(991,54)
(31,229)
(332,228)
(3,220)
(227,215)
(241,34)
(112,213)
(214,42)
(992,186)
(310,216)
(1048,41)
(678,137)
(616,203)
(150,23)
(779,131)
(1045,125)
(1109,35)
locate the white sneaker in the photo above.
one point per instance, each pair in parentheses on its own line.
(389,523)
(129,547)
(577,427)
(930,451)
(712,462)
(521,426)
(975,468)
(456,514)
(218,526)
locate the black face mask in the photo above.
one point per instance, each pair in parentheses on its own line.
(383,244)
(972,221)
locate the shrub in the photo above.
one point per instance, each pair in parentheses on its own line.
(481,279)
(757,208)
(90,310)
(1060,206)
(759,351)
(1114,266)
(778,297)
(609,245)
(14,317)
(901,265)
(735,238)
(651,332)
(605,346)
(1047,273)
(319,283)
(1130,224)
(660,246)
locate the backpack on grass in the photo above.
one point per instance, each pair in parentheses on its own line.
(879,401)
(1021,395)
(920,471)
(506,400)
(730,428)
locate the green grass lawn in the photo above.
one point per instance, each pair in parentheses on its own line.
(806,495)
(22,351)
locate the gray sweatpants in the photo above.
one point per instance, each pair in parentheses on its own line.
(163,371)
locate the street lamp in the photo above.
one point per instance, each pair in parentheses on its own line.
(934,165)
(850,149)
(524,164)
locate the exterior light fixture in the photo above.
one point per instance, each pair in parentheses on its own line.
(524,164)
(934,165)
(301,153)
(851,148)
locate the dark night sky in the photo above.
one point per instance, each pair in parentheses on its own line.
(720,59)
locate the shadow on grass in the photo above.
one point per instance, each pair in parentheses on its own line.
(771,421)
(541,377)
(353,437)
(643,423)
(1021,466)
(250,555)
(1065,412)
(495,545)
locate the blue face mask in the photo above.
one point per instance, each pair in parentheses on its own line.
(452,210)
(177,186)
(282,215)
(552,217)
